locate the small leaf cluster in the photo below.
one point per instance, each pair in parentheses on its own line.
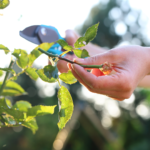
(4,3)
(81,42)
(22,113)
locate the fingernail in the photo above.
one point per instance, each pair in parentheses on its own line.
(78,60)
(68,66)
(72,66)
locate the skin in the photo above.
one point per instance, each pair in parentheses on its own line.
(131,66)
(71,38)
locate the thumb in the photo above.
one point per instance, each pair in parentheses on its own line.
(97,59)
(71,37)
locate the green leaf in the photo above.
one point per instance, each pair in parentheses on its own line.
(80,42)
(2,119)
(22,105)
(81,53)
(89,36)
(31,124)
(14,78)
(12,89)
(8,69)
(48,73)
(91,32)
(66,106)
(9,121)
(10,92)
(2,47)
(31,72)
(22,58)
(16,114)
(64,45)
(36,53)
(8,102)
(44,77)
(13,85)
(51,71)
(68,77)
(3,103)
(1,72)
(40,110)
(4,3)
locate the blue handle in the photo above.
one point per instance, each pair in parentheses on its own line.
(56,48)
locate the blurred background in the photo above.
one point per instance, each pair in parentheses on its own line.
(98,122)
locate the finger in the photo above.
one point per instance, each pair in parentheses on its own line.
(112,82)
(76,76)
(110,93)
(62,65)
(108,56)
(117,95)
(71,37)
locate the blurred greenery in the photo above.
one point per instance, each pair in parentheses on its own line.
(131,130)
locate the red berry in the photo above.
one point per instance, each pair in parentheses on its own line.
(97,72)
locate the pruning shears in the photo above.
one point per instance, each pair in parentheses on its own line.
(38,34)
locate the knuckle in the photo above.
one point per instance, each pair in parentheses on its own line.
(113,54)
(92,60)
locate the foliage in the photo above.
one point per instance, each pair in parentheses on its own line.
(125,126)
(131,130)
(4,3)
(22,113)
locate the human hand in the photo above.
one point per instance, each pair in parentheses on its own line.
(71,37)
(131,65)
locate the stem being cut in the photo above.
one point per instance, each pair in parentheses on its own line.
(6,76)
(59,83)
(62,58)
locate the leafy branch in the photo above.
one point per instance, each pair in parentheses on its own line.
(72,62)
(6,76)
(22,113)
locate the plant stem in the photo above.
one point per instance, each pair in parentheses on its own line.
(6,76)
(59,83)
(10,125)
(2,119)
(17,75)
(65,59)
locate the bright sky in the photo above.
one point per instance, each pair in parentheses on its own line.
(63,14)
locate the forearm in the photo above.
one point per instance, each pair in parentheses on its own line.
(145,82)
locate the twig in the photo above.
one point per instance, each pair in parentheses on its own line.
(2,119)
(65,59)
(6,76)
(11,78)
